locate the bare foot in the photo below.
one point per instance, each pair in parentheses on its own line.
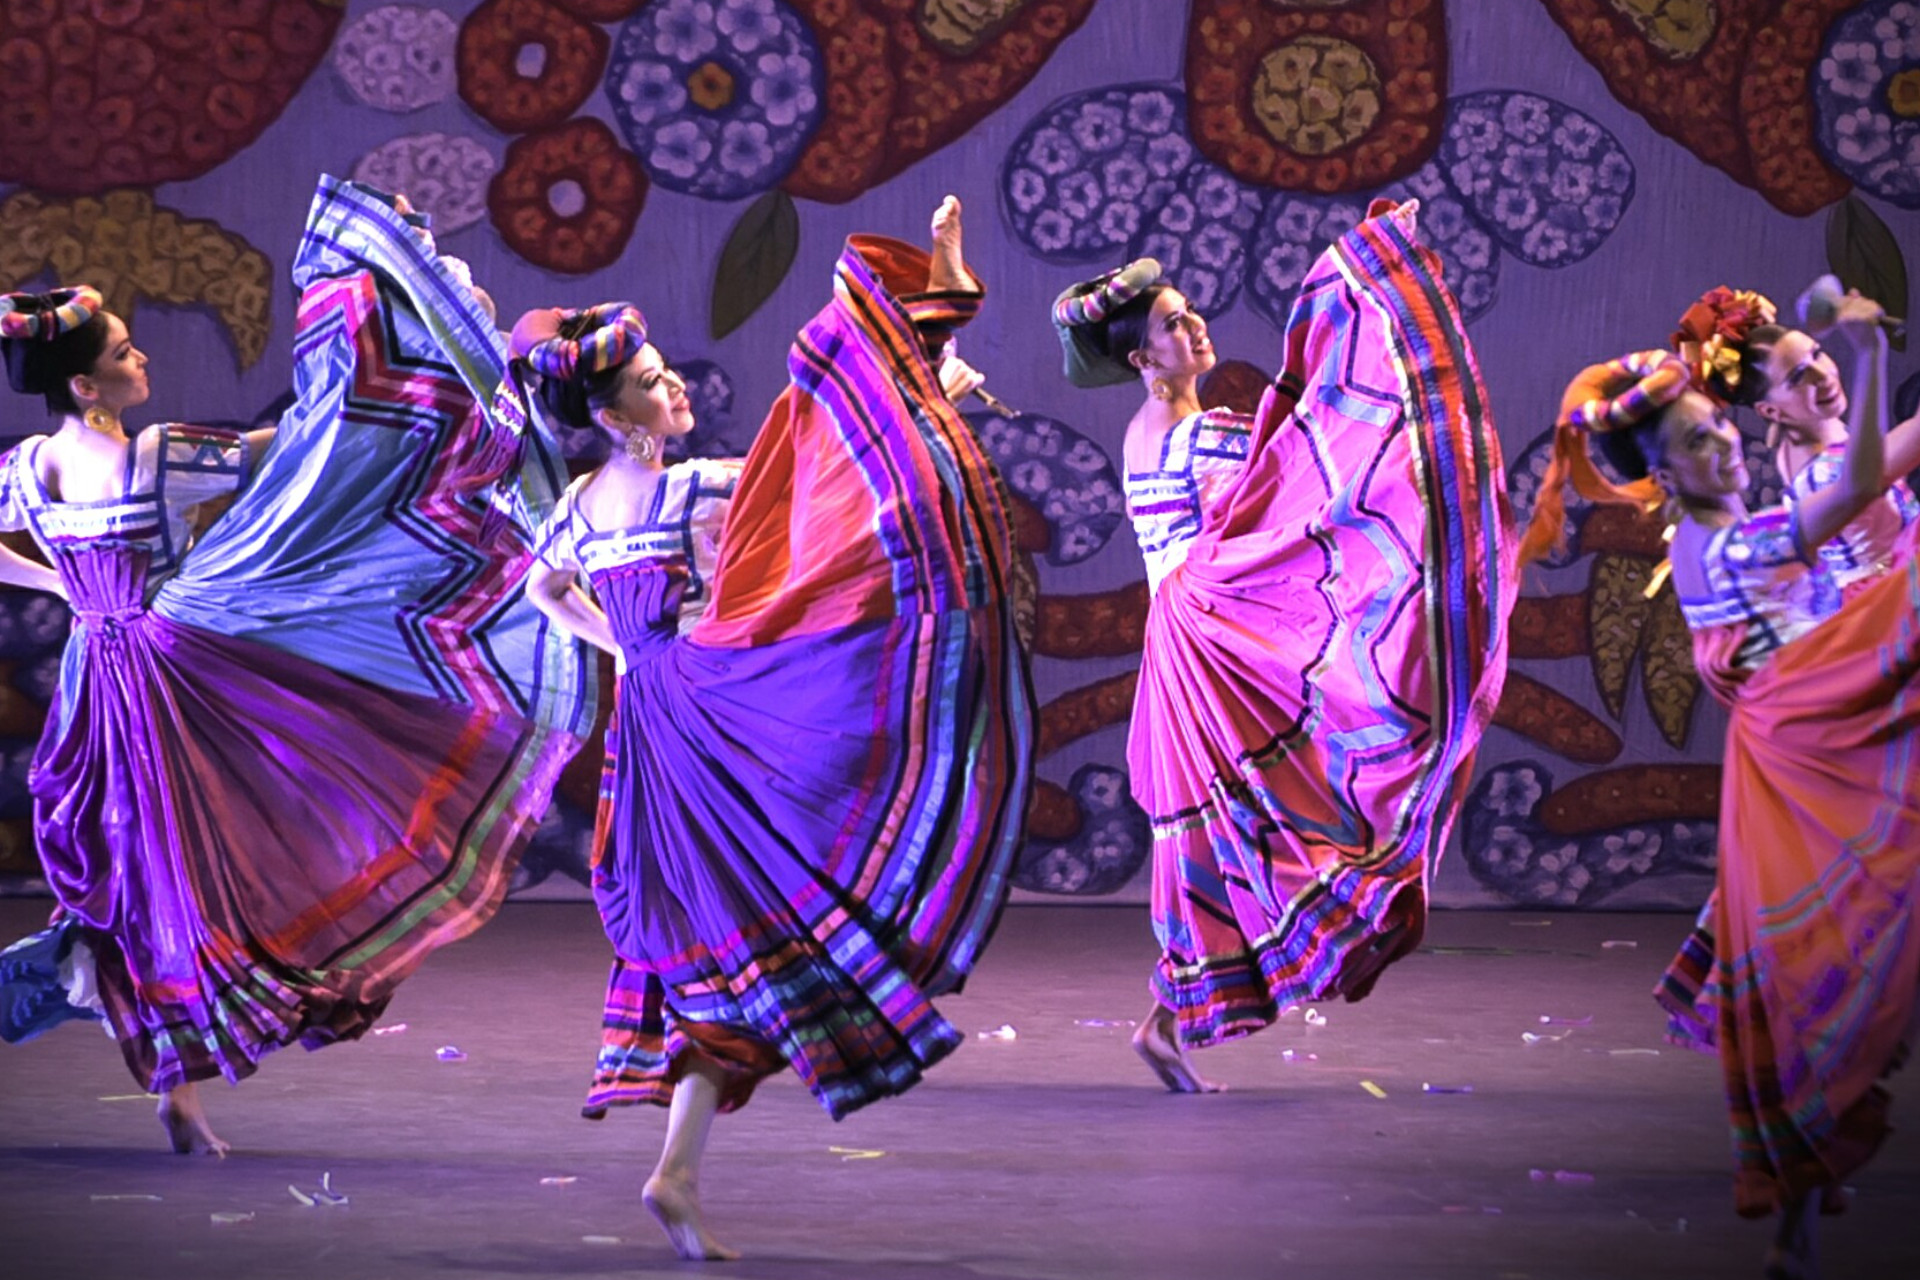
(1158,1044)
(949,270)
(185,1121)
(1791,1256)
(676,1207)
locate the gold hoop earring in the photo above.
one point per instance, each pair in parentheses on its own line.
(98,419)
(640,446)
(1161,391)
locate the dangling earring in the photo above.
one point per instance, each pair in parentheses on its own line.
(1161,391)
(98,419)
(640,446)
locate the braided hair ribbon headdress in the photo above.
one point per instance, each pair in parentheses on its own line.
(1080,311)
(1615,396)
(614,332)
(43,317)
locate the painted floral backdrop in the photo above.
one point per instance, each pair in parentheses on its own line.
(1585,167)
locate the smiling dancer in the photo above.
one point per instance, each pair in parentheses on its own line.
(284,765)
(1816,953)
(1327,635)
(820,751)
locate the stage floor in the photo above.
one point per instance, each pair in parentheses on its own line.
(1049,1154)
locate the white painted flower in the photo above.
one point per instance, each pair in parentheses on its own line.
(748,24)
(1509,849)
(1526,117)
(1571,183)
(1119,221)
(1632,850)
(1852,70)
(1515,207)
(1527,166)
(1514,792)
(1177,215)
(681,149)
(684,30)
(1124,177)
(1284,266)
(1615,172)
(1169,155)
(1296,221)
(1150,113)
(1026,189)
(783,88)
(1078,195)
(651,90)
(744,147)
(1052,231)
(1053,152)
(1577,136)
(1216,246)
(1476,132)
(1862,136)
(1545,242)
(1100,127)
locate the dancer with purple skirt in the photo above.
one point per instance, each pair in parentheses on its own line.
(286,763)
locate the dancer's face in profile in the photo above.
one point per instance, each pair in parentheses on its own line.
(652,397)
(1803,384)
(118,379)
(1701,453)
(1177,345)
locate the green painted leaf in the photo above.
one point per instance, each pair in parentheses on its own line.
(1864,254)
(755,260)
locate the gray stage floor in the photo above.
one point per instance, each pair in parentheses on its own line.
(1050,1154)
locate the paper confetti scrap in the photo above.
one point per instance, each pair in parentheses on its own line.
(1618,944)
(1548,1019)
(128,1196)
(855,1153)
(1446,1088)
(600,1240)
(559,1182)
(1544,1037)
(1373,1088)
(449,1053)
(129,1097)
(1315,1018)
(1004,1031)
(231,1219)
(393,1030)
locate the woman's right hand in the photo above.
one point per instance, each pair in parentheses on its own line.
(1859,318)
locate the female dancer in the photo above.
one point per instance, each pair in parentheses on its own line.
(1327,636)
(1739,356)
(820,751)
(1815,940)
(251,845)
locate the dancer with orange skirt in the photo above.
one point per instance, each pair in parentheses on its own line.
(1741,357)
(1327,637)
(1816,947)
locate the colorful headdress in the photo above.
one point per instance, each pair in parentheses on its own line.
(1088,304)
(1616,396)
(1713,334)
(43,317)
(615,332)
